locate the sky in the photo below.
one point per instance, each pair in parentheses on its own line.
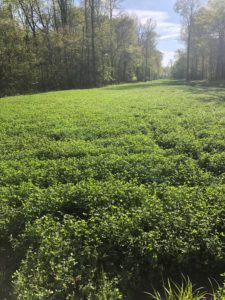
(168,23)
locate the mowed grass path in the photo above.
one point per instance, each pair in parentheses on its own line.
(128,179)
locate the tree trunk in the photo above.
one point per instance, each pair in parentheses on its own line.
(188,54)
(93,41)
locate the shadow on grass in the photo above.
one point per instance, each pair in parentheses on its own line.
(213,91)
(146,85)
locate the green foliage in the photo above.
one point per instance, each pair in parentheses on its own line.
(57,45)
(104,191)
(204,35)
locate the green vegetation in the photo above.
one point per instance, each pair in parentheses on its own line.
(185,291)
(104,192)
(66,44)
(203,31)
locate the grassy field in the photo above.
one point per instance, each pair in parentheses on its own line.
(104,192)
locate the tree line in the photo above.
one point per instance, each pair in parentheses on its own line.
(56,44)
(204,35)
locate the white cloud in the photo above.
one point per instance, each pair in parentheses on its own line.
(165,28)
(171,29)
(144,15)
(169,36)
(167,57)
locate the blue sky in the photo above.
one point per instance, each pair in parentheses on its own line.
(168,22)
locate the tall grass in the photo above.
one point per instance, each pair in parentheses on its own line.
(184,291)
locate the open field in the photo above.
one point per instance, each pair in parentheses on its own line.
(111,188)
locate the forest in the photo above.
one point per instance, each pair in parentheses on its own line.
(204,36)
(59,44)
(55,45)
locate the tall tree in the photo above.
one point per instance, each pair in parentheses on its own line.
(187,9)
(148,40)
(207,44)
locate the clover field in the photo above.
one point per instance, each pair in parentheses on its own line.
(104,192)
